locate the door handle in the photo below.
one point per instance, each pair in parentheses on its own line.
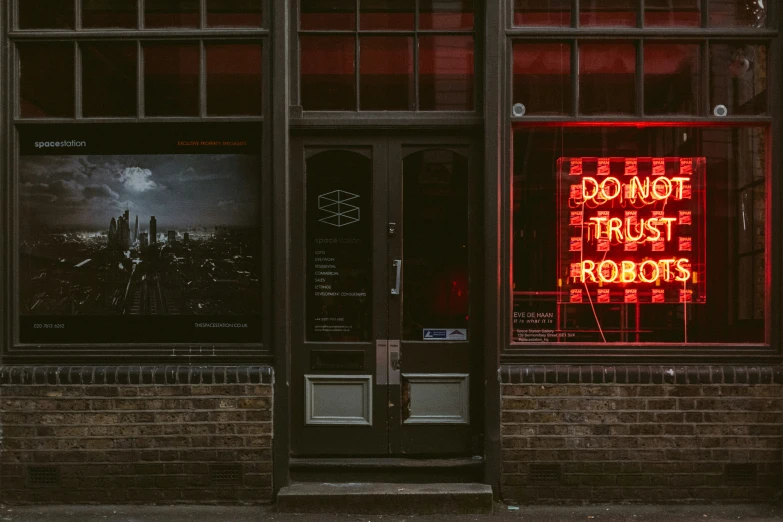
(396,290)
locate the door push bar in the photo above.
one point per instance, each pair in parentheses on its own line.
(398,264)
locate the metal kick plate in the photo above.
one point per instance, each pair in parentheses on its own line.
(381,361)
(394,362)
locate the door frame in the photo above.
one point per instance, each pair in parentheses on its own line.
(389,147)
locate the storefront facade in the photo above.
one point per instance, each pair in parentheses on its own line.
(526,244)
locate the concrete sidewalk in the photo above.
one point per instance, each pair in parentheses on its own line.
(597,513)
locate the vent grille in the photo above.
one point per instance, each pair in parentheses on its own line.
(544,473)
(43,476)
(225,475)
(741,474)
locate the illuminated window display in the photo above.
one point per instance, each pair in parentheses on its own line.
(659,234)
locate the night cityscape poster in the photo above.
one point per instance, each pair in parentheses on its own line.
(139,247)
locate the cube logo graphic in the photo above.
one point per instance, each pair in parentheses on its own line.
(336,209)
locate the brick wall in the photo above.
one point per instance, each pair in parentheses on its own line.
(649,433)
(131,434)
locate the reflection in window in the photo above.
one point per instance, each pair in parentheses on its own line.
(327,71)
(386,76)
(610,13)
(435,235)
(734,237)
(234,84)
(327,14)
(446,73)
(555,13)
(738,77)
(46,83)
(171,13)
(738,13)
(445,14)
(542,77)
(45,14)
(109,14)
(234,13)
(672,78)
(109,72)
(672,13)
(387,14)
(171,79)
(607,74)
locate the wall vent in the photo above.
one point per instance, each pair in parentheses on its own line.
(741,474)
(43,476)
(544,473)
(225,475)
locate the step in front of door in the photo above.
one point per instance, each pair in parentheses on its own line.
(397,470)
(370,498)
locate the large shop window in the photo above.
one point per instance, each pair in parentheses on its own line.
(651,234)
(388,56)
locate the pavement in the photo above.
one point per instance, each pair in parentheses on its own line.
(503,513)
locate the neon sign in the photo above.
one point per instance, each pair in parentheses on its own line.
(632,230)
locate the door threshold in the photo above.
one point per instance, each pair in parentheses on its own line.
(387,469)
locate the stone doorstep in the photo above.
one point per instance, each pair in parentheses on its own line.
(367,498)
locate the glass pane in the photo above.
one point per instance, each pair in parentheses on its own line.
(340,247)
(46,14)
(327,14)
(556,13)
(738,13)
(386,73)
(751,156)
(446,73)
(607,73)
(445,14)
(738,78)
(672,79)
(171,13)
(615,13)
(745,222)
(435,272)
(171,79)
(328,81)
(46,83)
(542,77)
(109,14)
(235,13)
(234,83)
(109,73)
(386,14)
(672,13)
(595,269)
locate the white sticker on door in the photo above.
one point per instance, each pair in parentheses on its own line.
(445,334)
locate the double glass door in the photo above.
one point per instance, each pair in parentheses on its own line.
(386,297)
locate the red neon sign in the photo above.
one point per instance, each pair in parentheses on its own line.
(632,230)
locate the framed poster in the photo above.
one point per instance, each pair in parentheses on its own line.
(137,235)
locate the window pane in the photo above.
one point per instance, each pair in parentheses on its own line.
(672,79)
(386,14)
(555,13)
(435,249)
(446,70)
(445,14)
(46,14)
(340,247)
(109,72)
(46,83)
(171,79)
(234,85)
(738,13)
(327,14)
(386,73)
(542,77)
(738,78)
(672,13)
(171,13)
(621,177)
(328,81)
(109,14)
(616,13)
(607,78)
(235,13)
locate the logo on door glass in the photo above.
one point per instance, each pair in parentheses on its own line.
(336,209)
